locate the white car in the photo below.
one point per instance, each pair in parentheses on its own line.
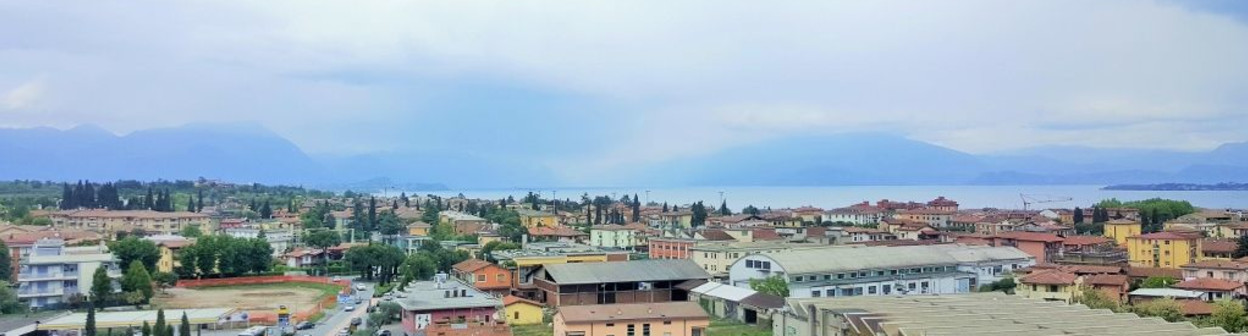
(361,288)
(348,308)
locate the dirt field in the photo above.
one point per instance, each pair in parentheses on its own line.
(249,297)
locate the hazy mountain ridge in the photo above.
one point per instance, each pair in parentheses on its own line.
(251,153)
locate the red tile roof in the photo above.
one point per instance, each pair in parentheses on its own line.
(1107,280)
(1169,235)
(1144,272)
(1218,264)
(1030,236)
(1195,307)
(1209,284)
(471,265)
(556,231)
(716,235)
(1085,240)
(1049,278)
(510,299)
(1218,246)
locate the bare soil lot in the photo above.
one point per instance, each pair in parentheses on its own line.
(247,297)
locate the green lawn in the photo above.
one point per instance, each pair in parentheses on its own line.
(532,330)
(734,328)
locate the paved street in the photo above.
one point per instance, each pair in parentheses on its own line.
(334,320)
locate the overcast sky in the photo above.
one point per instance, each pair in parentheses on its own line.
(612,81)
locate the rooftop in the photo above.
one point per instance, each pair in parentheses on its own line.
(430,295)
(987,314)
(625,271)
(1209,284)
(857,257)
(77,321)
(1167,293)
(1050,277)
(632,312)
(459,216)
(1218,264)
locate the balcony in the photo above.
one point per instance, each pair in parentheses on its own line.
(47,276)
(31,292)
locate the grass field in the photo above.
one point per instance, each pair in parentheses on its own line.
(734,328)
(532,330)
(246,297)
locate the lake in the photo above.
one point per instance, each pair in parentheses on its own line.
(839,196)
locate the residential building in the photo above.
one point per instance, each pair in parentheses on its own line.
(635,281)
(483,275)
(441,304)
(650,319)
(533,218)
(1043,246)
(617,236)
(464,224)
(1221,249)
(854,234)
(1120,229)
(1213,289)
(169,247)
(678,219)
(878,270)
(111,221)
(1091,250)
(525,264)
(964,314)
(418,229)
(1231,270)
(563,234)
(932,217)
(670,248)
(53,273)
(858,214)
(21,241)
(1164,249)
(1051,285)
(943,204)
(521,311)
(716,257)
(280,240)
(809,215)
(304,257)
(734,303)
(1112,286)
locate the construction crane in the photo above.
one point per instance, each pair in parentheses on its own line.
(1028,200)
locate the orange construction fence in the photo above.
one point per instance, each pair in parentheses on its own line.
(270,317)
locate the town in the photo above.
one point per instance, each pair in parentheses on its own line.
(216,258)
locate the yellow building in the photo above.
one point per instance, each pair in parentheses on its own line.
(1120,229)
(418,229)
(1049,286)
(169,253)
(1164,249)
(522,311)
(532,218)
(110,221)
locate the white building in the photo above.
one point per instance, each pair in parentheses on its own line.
(879,270)
(858,215)
(280,240)
(53,273)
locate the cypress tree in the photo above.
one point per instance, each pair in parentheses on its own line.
(147,329)
(89,328)
(159,328)
(199,204)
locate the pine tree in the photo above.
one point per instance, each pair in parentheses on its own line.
(372,214)
(159,327)
(199,203)
(67,197)
(184,329)
(1078,216)
(89,328)
(149,202)
(407,202)
(147,329)
(664,206)
(266,211)
(190,204)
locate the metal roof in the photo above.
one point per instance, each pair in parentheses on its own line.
(1167,292)
(846,258)
(77,321)
(626,271)
(428,295)
(975,254)
(726,292)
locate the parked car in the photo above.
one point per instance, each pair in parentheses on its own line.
(344,332)
(305,325)
(361,287)
(254,331)
(348,308)
(383,332)
(357,321)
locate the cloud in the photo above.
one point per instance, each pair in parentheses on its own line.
(592,82)
(25,96)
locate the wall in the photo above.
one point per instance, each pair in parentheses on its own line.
(676,327)
(528,314)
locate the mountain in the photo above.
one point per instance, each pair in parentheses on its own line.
(251,153)
(235,152)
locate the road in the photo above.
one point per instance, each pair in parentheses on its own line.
(336,320)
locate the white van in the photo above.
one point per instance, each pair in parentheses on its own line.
(254,331)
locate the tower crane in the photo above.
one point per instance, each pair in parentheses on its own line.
(1029,199)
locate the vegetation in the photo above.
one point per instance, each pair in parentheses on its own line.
(540,329)
(8,299)
(1227,314)
(6,263)
(1096,299)
(496,246)
(225,256)
(1006,285)
(101,286)
(1241,248)
(723,327)
(1158,282)
(1166,308)
(386,313)
(382,260)
(88,328)
(1153,212)
(774,285)
(133,249)
(137,280)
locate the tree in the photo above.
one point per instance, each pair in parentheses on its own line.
(389,224)
(9,303)
(133,248)
(372,214)
(165,279)
(496,246)
(1241,248)
(1165,308)
(419,266)
(750,209)
(323,240)
(774,285)
(1158,282)
(723,209)
(1078,216)
(184,329)
(89,328)
(699,214)
(137,279)
(1006,285)
(101,286)
(1229,315)
(191,231)
(266,211)
(147,329)
(199,202)
(6,264)
(1096,299)
(159,327)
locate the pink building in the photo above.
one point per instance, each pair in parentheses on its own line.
(431,304)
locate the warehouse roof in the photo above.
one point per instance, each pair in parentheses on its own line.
(625,271)
(77,321)
(847,258)
(986,314)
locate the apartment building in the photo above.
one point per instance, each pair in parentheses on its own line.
(716,257)
(53,272)
(650,319)
(1164,249)
(111,221)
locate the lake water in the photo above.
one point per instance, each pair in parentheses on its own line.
(833,197)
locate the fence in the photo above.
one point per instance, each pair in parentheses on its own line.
(269,317)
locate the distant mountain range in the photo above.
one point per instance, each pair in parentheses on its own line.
(250,153)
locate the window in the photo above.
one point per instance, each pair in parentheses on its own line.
(500,277)
(815,293)
(1052,288)
(632,330)
(857,290)
(886,289)
(840,276)
(645,329)
(831,292)
(667,322)
(749,264)
(610,324)
(481,278)
(827,277)
(517,317)
(871,290)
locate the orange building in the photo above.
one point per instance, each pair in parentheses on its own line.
(667,319)
(483,275)
(670,248)
(1043,246)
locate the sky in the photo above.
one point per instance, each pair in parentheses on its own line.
(594,82)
